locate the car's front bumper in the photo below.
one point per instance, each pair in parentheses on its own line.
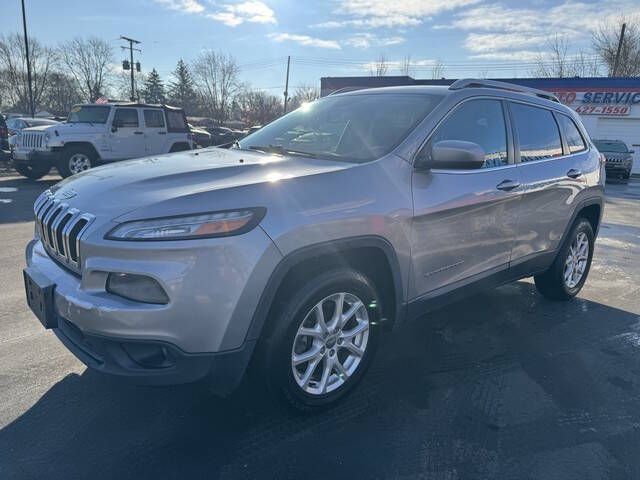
(154,363)
(214,288)
(34,156)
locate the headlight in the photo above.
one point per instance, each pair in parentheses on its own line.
(46,139)
(204,225)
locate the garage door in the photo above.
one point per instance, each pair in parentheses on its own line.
(625,129)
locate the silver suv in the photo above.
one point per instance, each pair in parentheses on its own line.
(292,252)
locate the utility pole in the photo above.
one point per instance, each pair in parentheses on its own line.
(617,61)
(131,65)
(26,51)
(286,85)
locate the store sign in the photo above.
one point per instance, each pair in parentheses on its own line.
(614,104)
(629,98)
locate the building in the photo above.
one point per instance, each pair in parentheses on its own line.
(609,107)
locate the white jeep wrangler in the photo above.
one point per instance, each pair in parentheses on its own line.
(100,133)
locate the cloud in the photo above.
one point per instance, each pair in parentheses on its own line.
(500,32)
(186,6)
(234,14)
(304,40)
(366,40)
(385,13)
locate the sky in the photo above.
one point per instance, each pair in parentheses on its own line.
(325,37)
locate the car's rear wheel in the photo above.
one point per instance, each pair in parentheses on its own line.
(33,172)
(75,160)
(570,269)
(322,339)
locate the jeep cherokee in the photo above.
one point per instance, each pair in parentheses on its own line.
(294,251)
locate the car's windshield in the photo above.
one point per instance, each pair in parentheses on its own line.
(88,114)
(354,128)
(610,146)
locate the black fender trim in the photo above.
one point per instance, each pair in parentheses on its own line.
(581,205)
(331,247)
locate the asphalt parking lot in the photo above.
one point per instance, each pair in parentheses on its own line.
(504,385)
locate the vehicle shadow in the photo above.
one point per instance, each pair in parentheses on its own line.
(504,384)
(17,195)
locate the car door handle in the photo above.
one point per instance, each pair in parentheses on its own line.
(138,133)
(573,173)
(507,185)
(162,133)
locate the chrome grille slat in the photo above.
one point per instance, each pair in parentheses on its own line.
(54,221)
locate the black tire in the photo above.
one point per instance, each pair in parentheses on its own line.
(551,284)
(627,175)
(274,359)
(64,162)
(179,147)
(33,172)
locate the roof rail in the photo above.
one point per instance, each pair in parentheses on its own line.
(345,90)
(476,83)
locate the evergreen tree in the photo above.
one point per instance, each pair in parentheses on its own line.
(153,89)
(181,91)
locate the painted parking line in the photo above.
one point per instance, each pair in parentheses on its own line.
(8,189)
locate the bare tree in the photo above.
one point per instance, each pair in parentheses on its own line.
(380,67)
(217,82)
(304,94)
(257,107)
(89,61)
(121,84)
(406,67)
(13,64)
(437,70)
(557,62)
(61,94)
(605,42)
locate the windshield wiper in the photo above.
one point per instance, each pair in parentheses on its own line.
(280,150)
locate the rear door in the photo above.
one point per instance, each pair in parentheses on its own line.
(127,137)
(552,175)
(465,220)
(155,131)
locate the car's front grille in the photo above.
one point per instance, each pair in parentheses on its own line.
(32,140)
(60,229)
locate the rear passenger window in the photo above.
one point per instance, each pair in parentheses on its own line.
(126,117)
(537,131)
(480,122)
(572,134)
(154,118)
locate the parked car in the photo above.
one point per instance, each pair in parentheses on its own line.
(100,133)
(4,139)
(201,137)
(253,129)
(296,256)
(619,159)
(17,124)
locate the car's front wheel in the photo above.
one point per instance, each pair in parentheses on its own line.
(569,270)
(75,160)
(323,339)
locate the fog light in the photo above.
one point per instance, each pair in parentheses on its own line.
(138,288)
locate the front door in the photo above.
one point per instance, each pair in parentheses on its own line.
(127,137)
(465,220)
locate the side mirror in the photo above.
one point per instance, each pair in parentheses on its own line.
(116,125)
(453,155)
(632,151)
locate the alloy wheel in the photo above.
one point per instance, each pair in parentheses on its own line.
(79,162)
(576,262)
(330,343)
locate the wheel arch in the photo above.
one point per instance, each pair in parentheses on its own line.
(76,144)
(372,255)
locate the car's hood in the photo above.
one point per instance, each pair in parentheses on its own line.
(193,178)
(68,128)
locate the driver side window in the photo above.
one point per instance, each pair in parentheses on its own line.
(478,121)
